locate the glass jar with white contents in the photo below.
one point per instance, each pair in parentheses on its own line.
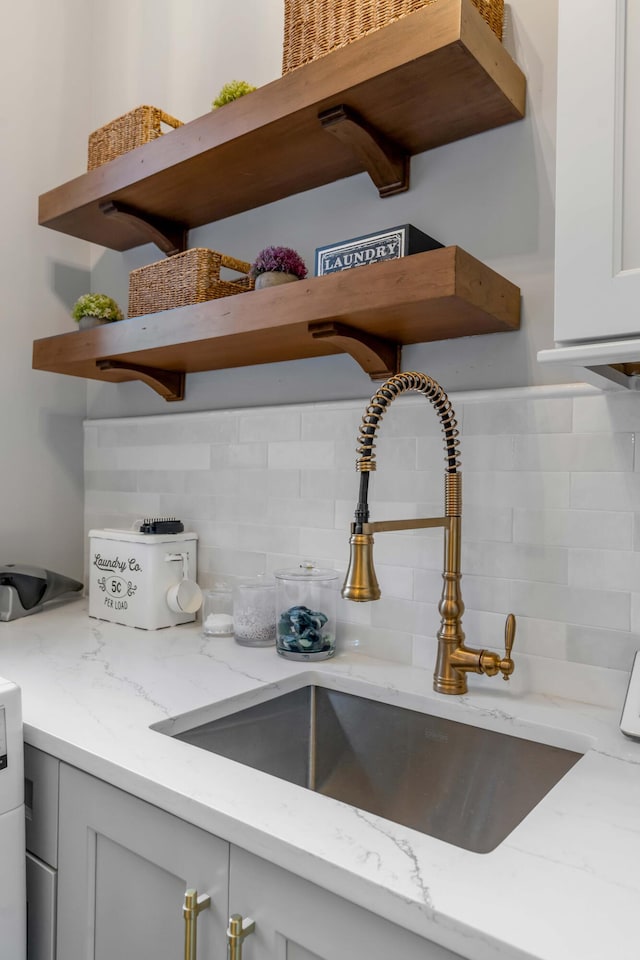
(306,612)
(254,612)
(217,611)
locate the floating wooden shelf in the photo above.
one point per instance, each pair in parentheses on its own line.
(368,312)
(435,76)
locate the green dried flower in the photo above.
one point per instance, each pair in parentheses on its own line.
(96,305)
(232,91)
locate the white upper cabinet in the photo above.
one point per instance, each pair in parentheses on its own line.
(597,266)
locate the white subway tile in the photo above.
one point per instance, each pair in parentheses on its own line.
(284,483)
(238,509)
(550,495)
(604,569)
(424,550)
(301,455)
(475,453)
(540,638)
(121,480)
(486,593)
(254,537)
(185,507)
(275,425)
(553,601)
(412,485)
(301,513)
(316,543)
(228,483)
(217,426)
(411,416)
(390,453)
(376,642)
(425,649)
(574,528)
(484,522)
(613,649)
(521,561)
(337,484)
(162,457)
(605,491)
(230,563)
(341,425)
(574,452)
(395,581)
(484,630)
(393,613)
(548,415)
(607,413)
(355,613)
(135,505)
(241,456)
(517,489)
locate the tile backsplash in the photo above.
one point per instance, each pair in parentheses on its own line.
(551,494)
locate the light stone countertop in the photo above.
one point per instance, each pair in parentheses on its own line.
(564,885)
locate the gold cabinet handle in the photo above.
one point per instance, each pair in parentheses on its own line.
(238,929)
(192,906)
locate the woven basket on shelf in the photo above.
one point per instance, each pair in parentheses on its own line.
(313,28)
(189,277)
(127,132)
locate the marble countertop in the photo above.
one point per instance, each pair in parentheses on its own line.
(562,886)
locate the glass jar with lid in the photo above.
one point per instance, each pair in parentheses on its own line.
(306,612)
(254,614)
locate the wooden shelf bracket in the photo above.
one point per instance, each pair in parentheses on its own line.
(378,357)
(168,383)
(169,235)
(387,164)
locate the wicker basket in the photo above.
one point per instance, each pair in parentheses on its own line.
(312,28)
(127,132)
(189,277)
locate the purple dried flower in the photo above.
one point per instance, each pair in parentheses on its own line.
(280,260)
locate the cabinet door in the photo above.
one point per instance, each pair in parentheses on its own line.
(41,787)
(598,171)
(41,910)
(123,868)
(296,920)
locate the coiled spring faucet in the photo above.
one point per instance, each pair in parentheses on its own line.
(454,660)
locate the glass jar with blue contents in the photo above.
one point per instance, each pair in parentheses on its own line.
(306,612)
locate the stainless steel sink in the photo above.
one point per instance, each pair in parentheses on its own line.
(459,783)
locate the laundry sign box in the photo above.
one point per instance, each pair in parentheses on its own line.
(130,575)
(388,244)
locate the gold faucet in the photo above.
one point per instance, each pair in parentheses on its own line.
(454,660)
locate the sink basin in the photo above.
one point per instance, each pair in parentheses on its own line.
(463,784)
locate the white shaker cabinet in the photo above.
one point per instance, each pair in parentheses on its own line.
(597,257)
(123,869)
(296,920)
(124,865)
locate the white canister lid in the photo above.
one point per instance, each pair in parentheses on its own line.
(306,572)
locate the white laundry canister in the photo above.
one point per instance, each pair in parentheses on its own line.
(134,577)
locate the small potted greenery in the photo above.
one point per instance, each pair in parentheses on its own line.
(93,309)
(232,90)
(275,265)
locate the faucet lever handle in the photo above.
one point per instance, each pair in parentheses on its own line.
(507,666)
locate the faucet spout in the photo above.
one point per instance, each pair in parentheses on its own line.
(454,660)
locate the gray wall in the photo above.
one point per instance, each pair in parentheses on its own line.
(491,194)
(44,112)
